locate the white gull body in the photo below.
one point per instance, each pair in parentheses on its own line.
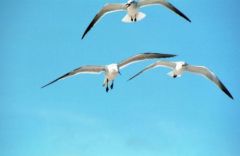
(132,8)
(111,71)
(178,68)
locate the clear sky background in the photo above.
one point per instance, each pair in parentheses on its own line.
(151,115)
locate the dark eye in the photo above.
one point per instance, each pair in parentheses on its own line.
(185,64)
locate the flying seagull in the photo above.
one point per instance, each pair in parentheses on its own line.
(132,7)
(178,68)
(111,70)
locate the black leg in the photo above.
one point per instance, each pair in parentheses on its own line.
(107,89)
(131,19)
(111,85)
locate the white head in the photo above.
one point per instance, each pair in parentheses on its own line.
(177,72)
(129,3)
(113,68)
(180,65)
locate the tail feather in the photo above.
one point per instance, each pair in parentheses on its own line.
(128,19)
(170,74)
(140,16)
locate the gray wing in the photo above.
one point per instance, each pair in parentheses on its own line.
(141,57)
(154,65)
(143,3)
(80,70)
(106,9)
(210,75)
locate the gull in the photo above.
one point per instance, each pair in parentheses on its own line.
(111,70)
(178,68)
(132,7)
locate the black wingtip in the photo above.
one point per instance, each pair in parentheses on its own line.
(130,79)
(188,20)
(135,75)
(83,36)
(43,87)
(89,26)
(173,55)
(161,54)
(173,8)
(48,84)
(185,17)
(229,94)
(55,80)
(169,55)
(225,90)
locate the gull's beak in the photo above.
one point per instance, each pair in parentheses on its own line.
(185,65)
(127,4)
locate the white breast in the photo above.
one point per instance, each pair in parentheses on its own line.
(111,71)
(179,68)
(132,10)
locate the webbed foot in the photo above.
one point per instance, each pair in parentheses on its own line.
(111,86)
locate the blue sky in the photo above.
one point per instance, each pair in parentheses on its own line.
(151,115)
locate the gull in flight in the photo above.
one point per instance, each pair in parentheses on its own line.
(178,68)
(111,70)
(132,7)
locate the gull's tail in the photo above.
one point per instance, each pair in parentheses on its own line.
(171,74)
(128,19)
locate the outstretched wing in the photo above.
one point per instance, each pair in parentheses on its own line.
(141,57)
(210,75)
(154,65)
(80,70)
(143,3)
(106,9)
